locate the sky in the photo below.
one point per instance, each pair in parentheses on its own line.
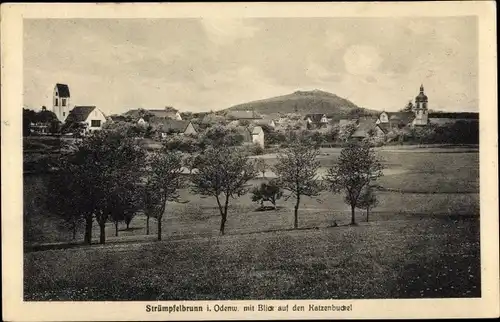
(211,64)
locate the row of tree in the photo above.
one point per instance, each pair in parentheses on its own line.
(111,177)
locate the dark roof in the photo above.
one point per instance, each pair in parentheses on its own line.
(63,90)
(79,113)
(461,115)
(316,117)
(174,126)
(242,115)
(212,118)
(404,117)
(363,127)
(165,113)
(385,127)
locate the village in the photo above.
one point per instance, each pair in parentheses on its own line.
(265,159)
(74,120)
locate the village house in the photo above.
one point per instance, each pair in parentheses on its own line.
(212,119)
(177,127)
(144,116)
(265,121)
(258,136)
(61,101)
(86,118)
(242,115)
(316,121)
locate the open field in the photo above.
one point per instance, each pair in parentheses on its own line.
(422,241)
(413,257)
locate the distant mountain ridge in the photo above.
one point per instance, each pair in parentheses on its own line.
(305,102)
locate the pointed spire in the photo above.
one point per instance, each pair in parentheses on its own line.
(421,88)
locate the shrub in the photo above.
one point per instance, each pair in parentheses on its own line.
(267,192)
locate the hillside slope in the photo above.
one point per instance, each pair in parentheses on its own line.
(303,102)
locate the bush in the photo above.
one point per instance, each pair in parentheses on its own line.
(267,192)
(256,149)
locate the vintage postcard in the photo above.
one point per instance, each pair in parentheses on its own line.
(249,161)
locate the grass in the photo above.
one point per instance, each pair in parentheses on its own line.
(422,241)
(414,257)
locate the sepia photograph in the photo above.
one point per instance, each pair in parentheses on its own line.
(212,158)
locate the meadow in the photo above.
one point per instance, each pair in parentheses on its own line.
(422,240)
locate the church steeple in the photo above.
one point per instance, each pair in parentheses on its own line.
(420,109)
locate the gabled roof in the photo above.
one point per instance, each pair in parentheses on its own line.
(242,115)
(403,117)
(316,117)
(165,113)
(80,113)
(384,127)
(363,127)
(256,130)
(212,118)
(63,90)
(174,126)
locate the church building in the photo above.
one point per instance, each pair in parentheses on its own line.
(61,102)
(418,115)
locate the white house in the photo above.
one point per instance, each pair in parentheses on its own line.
(90,117)
(258,136)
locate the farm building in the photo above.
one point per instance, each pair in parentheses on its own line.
(316,121)
(90,118)
(168,126)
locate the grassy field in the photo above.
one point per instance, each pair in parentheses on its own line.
(422,241)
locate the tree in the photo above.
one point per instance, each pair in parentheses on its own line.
(367,200)
(408,107)
(71,196)
(355,170)
(346,131)
(297,172)
(108,164)
(271,192)
(261,166)
(164,179)
(223,173)
(191,161)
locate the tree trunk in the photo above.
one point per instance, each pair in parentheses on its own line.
(128,224)
(159,228)
(353,220)
(296,213)
(367,213)
(102,237)
(88,230)
(147,224)
(74,231)
(223,224)
(116,228)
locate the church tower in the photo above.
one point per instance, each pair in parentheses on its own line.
(61,106)
(420,108)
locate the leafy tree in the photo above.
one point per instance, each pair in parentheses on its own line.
(190,161)
(220,135)
(408,107)
(223,173)
(71,196)
(271,192)
(367,200)
(244,122)
(29,116)
(297,172)
(163,180)
(261,166)
(356,169)
(346,131)
(109,162)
